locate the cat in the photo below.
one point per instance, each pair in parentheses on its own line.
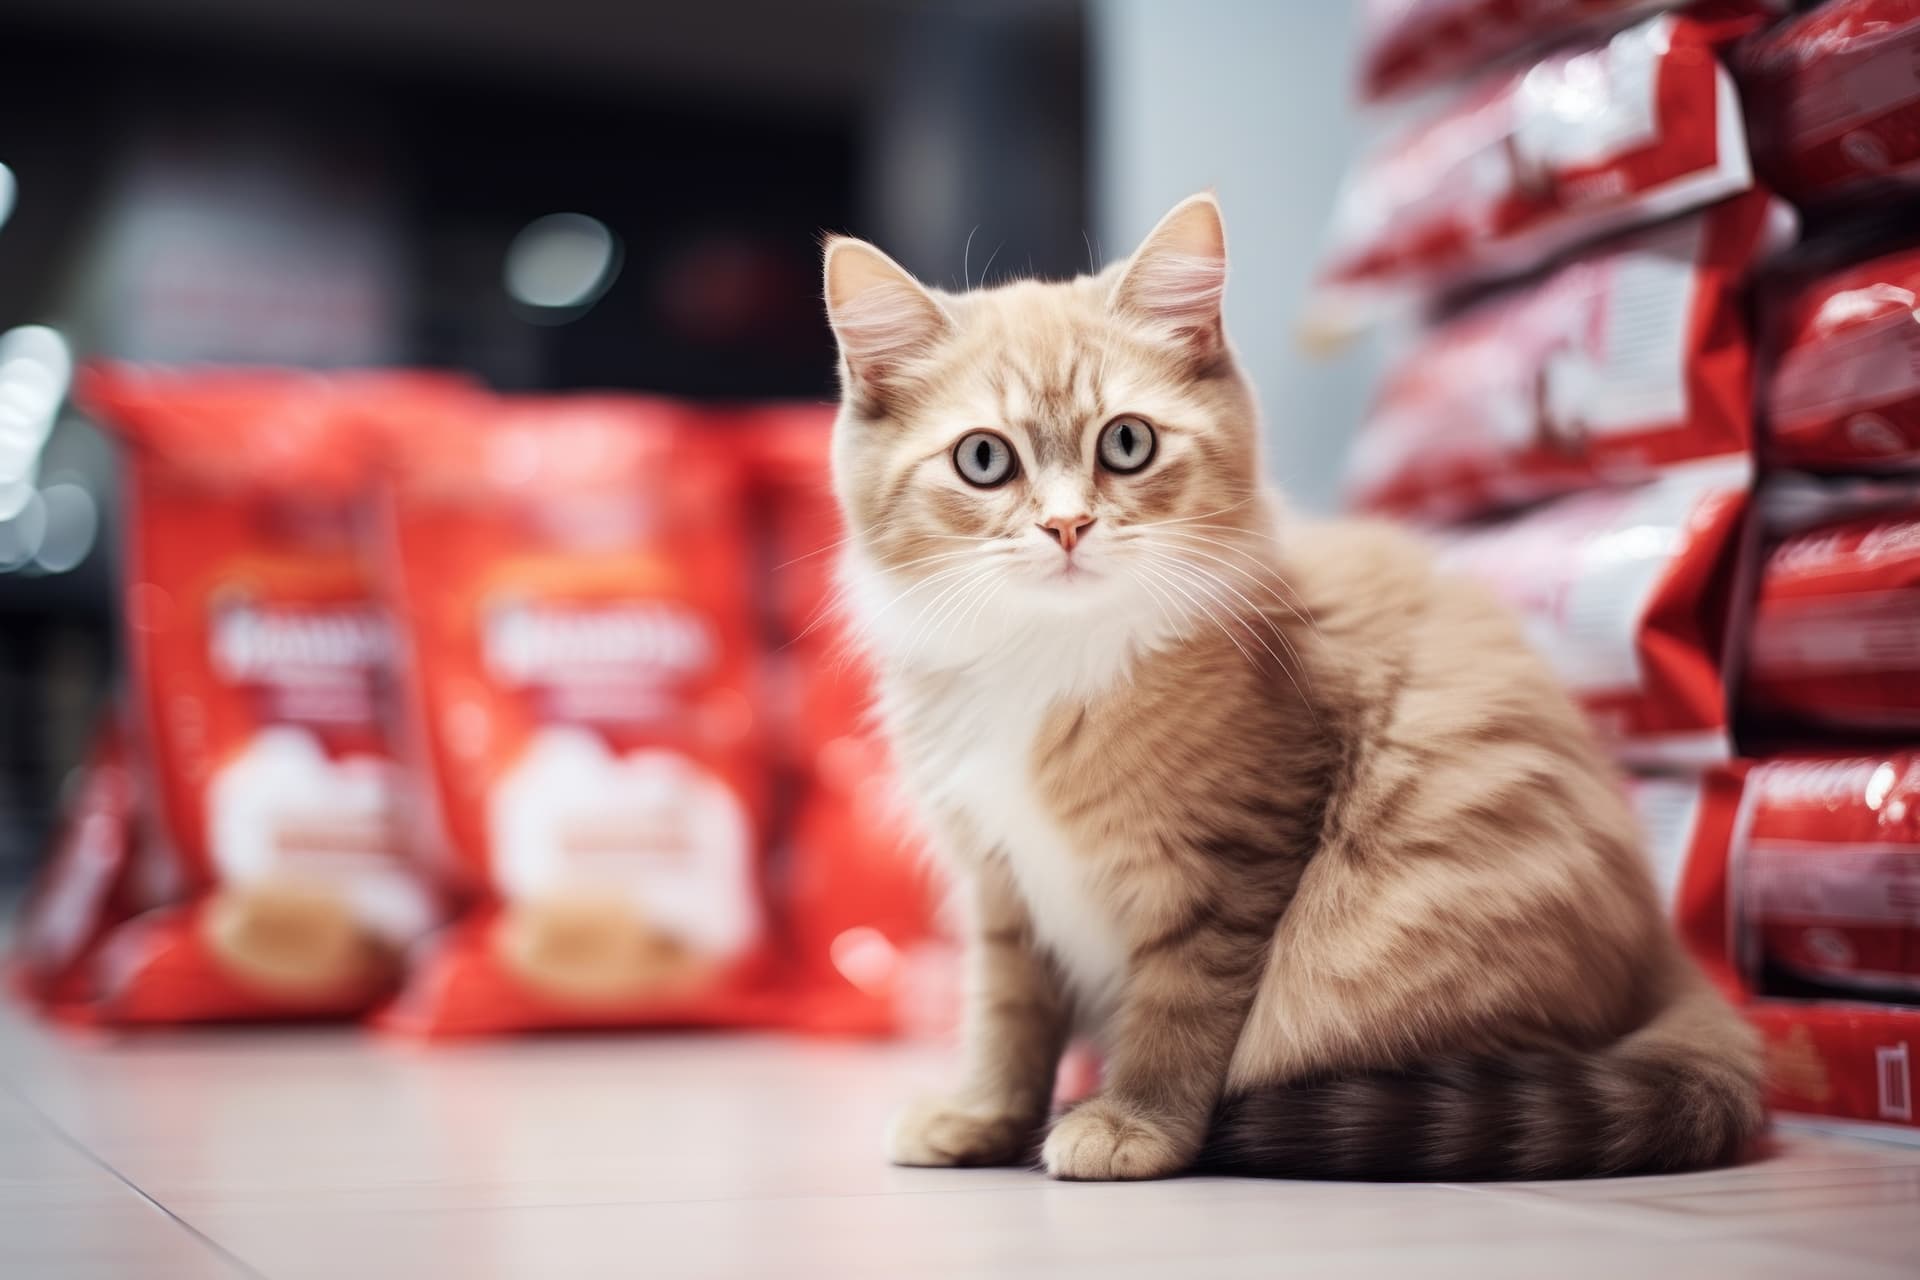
(1298,829)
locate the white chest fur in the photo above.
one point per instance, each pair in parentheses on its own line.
(965,702)
(971,752)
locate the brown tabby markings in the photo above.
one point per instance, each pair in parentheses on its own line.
(1375,901)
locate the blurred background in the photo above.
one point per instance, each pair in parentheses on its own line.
(571,194)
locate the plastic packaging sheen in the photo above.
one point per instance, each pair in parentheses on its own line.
(1408,45)
(1629,358)
(1826,872)
(1629,593)
(1518,170)
(1835,102)
(1844,390)
(1835,642)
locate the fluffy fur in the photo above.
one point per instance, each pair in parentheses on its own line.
(1302,831)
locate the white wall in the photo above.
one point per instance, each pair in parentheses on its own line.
(1252,98)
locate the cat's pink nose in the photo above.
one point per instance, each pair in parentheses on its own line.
(1067,530)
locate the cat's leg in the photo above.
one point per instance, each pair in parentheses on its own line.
(1189,984)
(1016,1026)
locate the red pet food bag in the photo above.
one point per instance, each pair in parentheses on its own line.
(1521,168)
(83,889)
(1844,392)
(1826,872)
(1689,821)
(259,653)
(1848,1059)
(1629,593)
(1834,100)
(1835,642)
(869,955)
(1407,46)
(1624,360)
(571,578)
(1410,45)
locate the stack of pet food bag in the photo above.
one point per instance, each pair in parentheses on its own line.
(1614,352)
(465,713)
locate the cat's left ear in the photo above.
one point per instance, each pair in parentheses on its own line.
(1177,278)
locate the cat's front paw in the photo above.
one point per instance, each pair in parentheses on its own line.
(944,1132)
(1099,1141)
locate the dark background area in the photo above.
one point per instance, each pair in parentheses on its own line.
(299,182)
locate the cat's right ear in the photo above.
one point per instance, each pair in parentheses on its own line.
(883,317)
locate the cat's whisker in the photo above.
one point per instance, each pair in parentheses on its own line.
(838,596)
(1210,584)
(1291,599)
(1232,530)
(1159,602)
(934,610)
(1257,611)
(939,576)
(1168,580)
(1279,598)
(999,582)
(1287,668)
(1156,524)
(988,269)
(835,545)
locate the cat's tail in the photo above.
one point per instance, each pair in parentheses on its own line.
(1682,1092)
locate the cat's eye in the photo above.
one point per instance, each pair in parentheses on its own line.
(984,459)
(1126,444)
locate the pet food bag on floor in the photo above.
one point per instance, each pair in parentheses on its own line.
(1826,872)
(1582,144)
(1845,1060)
(1629,593)
(1844,390)
(1835,641)
(868,952)
(82,891)
(1629,358)
(1834,100)
(571,582)
(1688,821)
(259,655)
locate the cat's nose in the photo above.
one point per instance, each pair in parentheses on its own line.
(1067,530)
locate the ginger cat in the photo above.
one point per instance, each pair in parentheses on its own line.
(1299,829)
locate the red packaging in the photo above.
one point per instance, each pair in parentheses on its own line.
(82,891)
(1826,871)
(572,582)
(1836,628)
(868,953)
(1844,394)
(258,652)
(1851,1062)
(1689,824)
(1624,360)
(823,688)
(1834,100)
(1409,45)
(1582,144)
(1630,593)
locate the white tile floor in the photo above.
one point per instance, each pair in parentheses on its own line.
(322,1154)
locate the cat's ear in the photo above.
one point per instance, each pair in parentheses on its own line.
(1176,279)
(883,317)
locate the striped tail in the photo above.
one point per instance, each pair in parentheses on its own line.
(1683,1092)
